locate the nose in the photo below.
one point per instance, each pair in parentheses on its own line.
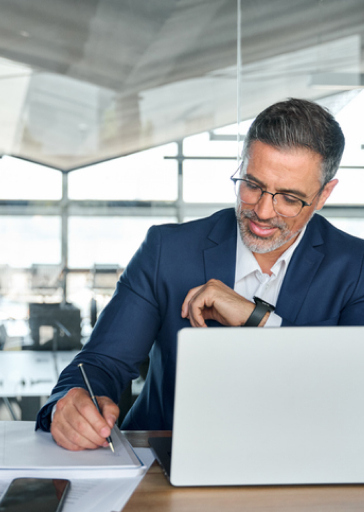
(264,207)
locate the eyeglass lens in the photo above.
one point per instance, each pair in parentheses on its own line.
(283,204)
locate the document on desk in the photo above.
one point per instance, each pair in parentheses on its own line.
(102,495)
(35,454)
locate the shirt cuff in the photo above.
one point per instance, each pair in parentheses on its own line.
(53,411)
(273,320)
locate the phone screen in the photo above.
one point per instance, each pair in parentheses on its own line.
(35,494)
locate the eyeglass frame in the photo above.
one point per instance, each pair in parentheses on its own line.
(304,203)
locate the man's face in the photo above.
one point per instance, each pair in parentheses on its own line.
(295,171)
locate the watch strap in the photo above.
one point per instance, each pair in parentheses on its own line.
(261,308)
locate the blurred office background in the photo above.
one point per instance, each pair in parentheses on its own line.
(116,115)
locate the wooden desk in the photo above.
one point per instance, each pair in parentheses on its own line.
(155,494)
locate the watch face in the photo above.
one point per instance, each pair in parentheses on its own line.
(269,307)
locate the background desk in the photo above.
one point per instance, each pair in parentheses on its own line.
(155,494)
(31,374)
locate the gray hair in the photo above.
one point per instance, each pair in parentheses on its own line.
(299,123)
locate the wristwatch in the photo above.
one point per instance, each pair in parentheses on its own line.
(261,308)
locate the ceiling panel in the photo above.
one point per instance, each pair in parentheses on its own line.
(88,80)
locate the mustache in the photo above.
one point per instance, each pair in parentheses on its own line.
(274,222)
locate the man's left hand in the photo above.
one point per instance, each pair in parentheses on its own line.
(216,301)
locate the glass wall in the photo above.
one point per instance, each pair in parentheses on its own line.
(67,237)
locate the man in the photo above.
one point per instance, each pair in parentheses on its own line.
(305,271)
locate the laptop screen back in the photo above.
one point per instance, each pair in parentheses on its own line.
(269,406)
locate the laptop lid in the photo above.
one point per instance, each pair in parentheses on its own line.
(269,406)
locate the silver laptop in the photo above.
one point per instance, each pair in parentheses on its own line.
(268,407)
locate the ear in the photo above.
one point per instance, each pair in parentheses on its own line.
(325,194)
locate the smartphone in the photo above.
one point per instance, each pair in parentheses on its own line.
(35,495)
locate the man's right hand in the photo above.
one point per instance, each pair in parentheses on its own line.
(77,425)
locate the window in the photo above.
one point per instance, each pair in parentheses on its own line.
(20,179)
(144,176)
(30,240)
(107,240)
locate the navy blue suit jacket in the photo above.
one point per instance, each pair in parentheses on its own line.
(324,285)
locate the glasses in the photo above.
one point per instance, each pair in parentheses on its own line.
(285,205)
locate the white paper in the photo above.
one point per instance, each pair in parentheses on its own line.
(36,454)
(103,495)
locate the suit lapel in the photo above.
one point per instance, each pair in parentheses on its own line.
(301,272)
(220,257)
(220,262)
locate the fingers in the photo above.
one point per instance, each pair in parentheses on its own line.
(63,440)
(77,425)
(186,302)
(194,306)
(199,302)
(110,411)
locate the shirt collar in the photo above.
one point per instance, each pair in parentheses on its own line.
(247,264)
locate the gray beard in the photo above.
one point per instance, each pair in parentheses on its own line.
(262,245)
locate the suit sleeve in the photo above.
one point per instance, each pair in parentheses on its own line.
(123,334)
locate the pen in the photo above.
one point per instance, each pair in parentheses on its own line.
(93,398)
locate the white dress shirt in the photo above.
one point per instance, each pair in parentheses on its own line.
(250,281)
